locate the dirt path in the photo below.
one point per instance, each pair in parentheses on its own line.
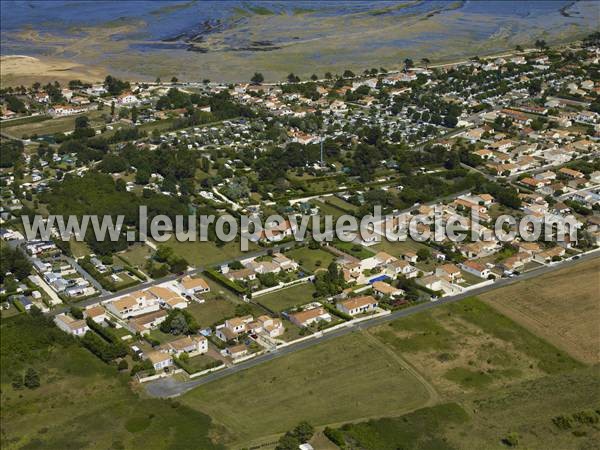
(434,397)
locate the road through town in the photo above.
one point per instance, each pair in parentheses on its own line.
(169,387)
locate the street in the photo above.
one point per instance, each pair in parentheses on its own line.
(169,387)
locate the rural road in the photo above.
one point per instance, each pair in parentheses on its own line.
(168,387)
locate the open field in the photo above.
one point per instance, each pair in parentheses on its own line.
(311,259)
(353,249)
(341,380)
(58,125)
(82,402)
(525,410)
(211,311)
(206,253)
(398,248)
(468,347)
(287,298)
(79,248)
(137,255)
(340,203)
(326,209)
(563,307)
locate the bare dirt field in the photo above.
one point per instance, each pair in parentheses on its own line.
(563,307)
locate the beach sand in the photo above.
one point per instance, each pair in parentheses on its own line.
(19,69)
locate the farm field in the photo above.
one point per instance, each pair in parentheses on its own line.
(287,298)
(311,259)
(468,347)
(310,385)
(563,307)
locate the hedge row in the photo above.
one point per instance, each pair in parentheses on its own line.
(336,312)
(219,277)
(185,366)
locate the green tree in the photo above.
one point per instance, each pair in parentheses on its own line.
(76,312)
(134,114)
(32,379)
(257,78)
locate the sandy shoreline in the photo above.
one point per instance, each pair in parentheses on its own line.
(22,69)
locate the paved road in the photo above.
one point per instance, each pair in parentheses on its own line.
(172,277)
(168,387)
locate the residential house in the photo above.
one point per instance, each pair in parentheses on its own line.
(144,323)
(70,325)
(237,351)
(241,275)
(357,305)
(381,288)
(193,286)
(134,304)
(96,313)
(476,268)
(410,257)
(233,327)
(168,298)
(192,345)
(550,254)
(449,271)
(570,173)
(160,360)
(308,317)
(404,268)
(273,327)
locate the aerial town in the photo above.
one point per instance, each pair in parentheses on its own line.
(514,134)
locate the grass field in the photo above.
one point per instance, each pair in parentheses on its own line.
(287,298)
(326,209)
(79,249)
(58,125)
(211,311)
(206,253)
(398,248)
(311,259)
(345,379)
(525,410)
(562,306)
(339,203)
(419,429)
(352,249)
(469,347)
(137,255)
(82,402)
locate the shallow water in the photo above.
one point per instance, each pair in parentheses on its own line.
(300,32)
